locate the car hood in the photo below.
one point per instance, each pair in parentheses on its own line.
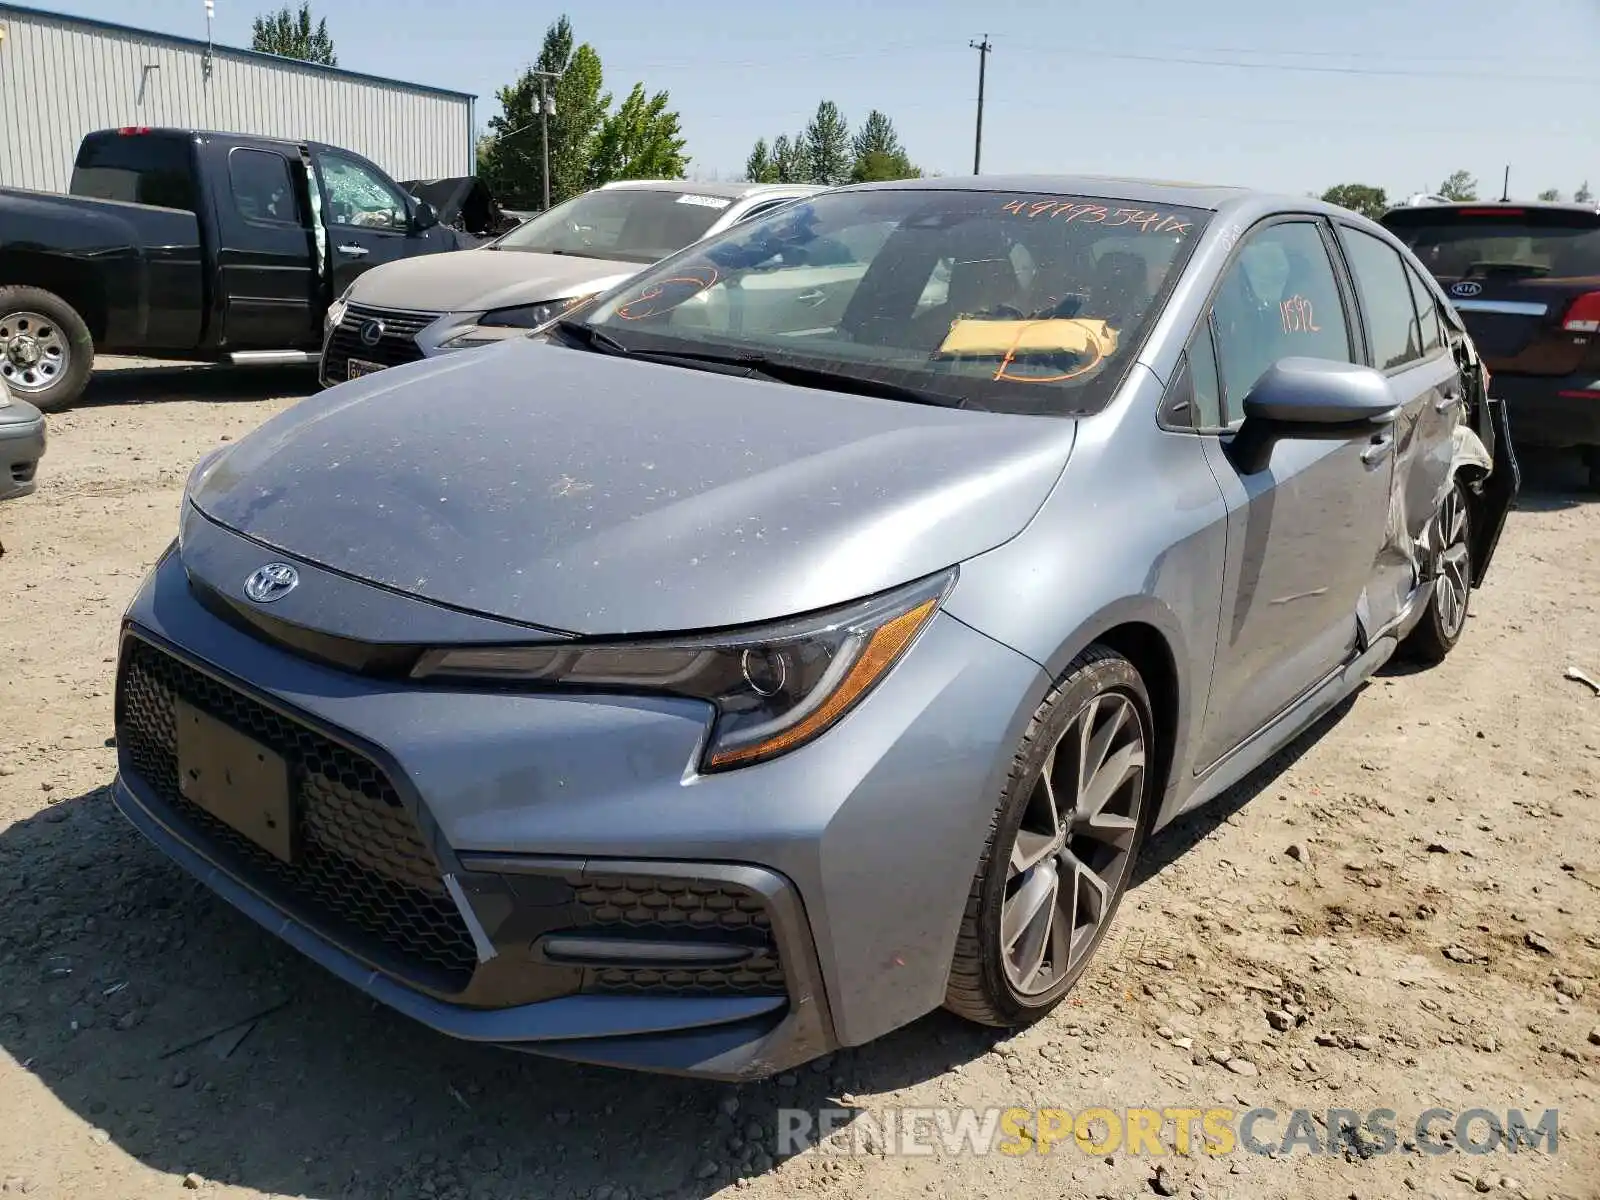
(475,280)
(595,495)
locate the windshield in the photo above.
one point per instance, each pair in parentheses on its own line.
(1470,243)
(1025,303)
(626,224)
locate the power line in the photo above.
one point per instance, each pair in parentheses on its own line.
(1179,57)
(1307,68)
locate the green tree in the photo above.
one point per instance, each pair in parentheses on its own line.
(589,144)
(1459,186)
(876,136)
(1363,198)
(291,35)
(826,146)
(1550,194)
(878,152)
(759,167)
(641,140)
(876,166)
(1583,195)
(787,164)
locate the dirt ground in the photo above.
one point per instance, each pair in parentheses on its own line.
(1412,892)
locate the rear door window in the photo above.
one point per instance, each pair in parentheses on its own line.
(262,187)
(1427,313)
(1385,295)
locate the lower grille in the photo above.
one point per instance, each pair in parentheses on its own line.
(361,869)
(643,906)
(395,345)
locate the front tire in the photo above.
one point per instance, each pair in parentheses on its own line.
(1060,853)
(1446,617)
(46,350)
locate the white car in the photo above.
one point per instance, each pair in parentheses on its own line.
(419,307)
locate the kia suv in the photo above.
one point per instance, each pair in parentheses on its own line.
(1526,280)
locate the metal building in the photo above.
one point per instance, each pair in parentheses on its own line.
(61,77)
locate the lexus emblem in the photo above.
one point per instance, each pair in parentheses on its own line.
(271,582)
(372,333)
(1466,287)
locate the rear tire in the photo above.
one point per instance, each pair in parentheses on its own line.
(1591,460)
(1442,624)
(46,351)
(1067,830)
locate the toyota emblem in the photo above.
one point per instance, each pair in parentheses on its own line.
(372,333)
(271,582)
(1466,287)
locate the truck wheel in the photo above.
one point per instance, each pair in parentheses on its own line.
(46,351)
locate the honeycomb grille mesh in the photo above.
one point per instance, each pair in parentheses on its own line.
(359,858)
(646,906)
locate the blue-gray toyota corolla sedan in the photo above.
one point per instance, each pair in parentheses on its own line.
(811,631)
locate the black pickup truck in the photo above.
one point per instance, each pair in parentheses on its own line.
(182,244)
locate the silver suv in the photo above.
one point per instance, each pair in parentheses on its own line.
(409,309)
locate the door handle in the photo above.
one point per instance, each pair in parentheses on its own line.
(812,298)
(1444,402)
(353,250)
(1379,450)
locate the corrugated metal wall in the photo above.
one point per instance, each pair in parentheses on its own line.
(61,77)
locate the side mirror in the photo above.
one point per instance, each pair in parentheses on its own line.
(423,217)
(1310,399)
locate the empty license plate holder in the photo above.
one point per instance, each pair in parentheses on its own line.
(236,779)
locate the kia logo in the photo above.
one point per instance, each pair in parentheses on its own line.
(1466,288)
(372,333)
(271,582)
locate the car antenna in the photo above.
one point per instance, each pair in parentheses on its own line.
(1505,189)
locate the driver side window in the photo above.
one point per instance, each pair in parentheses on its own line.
(1279,299)
(360,197)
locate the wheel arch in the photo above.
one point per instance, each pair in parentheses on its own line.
(75,283)
(1146,632)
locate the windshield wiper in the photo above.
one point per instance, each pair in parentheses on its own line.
(590,337)
(801,375)
(748,363)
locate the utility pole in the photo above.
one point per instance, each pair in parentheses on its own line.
(211,12)
(547,108)
(983,48)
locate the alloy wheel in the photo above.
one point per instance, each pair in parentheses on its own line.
(1074,844)
(1454,579)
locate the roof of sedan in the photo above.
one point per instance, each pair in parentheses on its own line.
(1110,187)
(723,191)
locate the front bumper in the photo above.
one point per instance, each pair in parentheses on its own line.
(548,873)
(22,444)
(407,336)
(1545,411)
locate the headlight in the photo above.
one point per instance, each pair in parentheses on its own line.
(335,312)
(501,323)
(197,476)
(774,688)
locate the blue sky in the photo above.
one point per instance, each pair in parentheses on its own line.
(1292,95)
